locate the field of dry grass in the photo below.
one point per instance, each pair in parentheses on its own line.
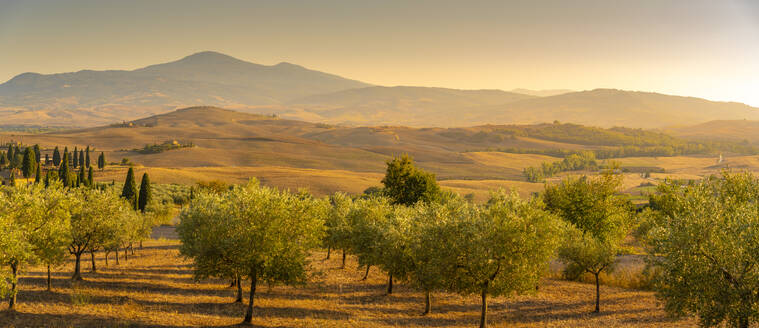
(154,288)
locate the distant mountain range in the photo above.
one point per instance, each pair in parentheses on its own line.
(89,98)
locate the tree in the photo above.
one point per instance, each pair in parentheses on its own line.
(64,173)
(75,158)
(90,177)
(130,189)
(599,220)
(145,193)
(38,175)
(47,159)
(29,165)
(81,159)
(30,223)
(499,249)
(56,156)
(82,179)
(251,231)
(95,216)
(406,184)
(704,248)
(101,161)
(10,153)
(37,153)
(51,239)
(87,157)
(12,179)
(429,228)
(3,160)
(338,228)
(369,219)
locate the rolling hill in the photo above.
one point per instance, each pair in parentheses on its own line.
(90,98)
(729,130)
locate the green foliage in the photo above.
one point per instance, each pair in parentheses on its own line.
(165,146)
(101,161)
(498,249)
(129,192)
(29,165)
(56,157)
(598,219)
(87,157)
(64,173)
(145,193)
(705,248)
(575,162)
(369,220)
(252,231)
(406,184)
(338,229)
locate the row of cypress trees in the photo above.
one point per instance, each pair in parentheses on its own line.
(141,199)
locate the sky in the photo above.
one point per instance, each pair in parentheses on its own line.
(701,48)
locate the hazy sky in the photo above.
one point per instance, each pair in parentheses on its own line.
(704,48)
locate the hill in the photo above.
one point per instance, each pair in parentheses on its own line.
(88,98)
(730,130)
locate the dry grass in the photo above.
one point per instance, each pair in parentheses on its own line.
(155,289)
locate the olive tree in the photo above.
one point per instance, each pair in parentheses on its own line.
(338,228)
(705,250)
(427,231)
(599,219)
(369,220)
(252,231)
(499,249)
(31,219)
(95,219)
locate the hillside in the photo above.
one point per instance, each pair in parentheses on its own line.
(91,98)
(414,106)
(731,130)
(88,98)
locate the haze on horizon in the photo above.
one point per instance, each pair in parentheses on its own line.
(694,48)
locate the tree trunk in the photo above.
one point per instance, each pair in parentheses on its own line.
(427,303)
(249,313)
(48,278)
(598,295)
(77,267)
(239,289)
(14,289)
(366,275)
(131,248)
(93,268)
(484,313)
(117,255)
(125,254)
(390,284)
(140,244)
(343,266)
(743,322)
(106,252)
(329,251)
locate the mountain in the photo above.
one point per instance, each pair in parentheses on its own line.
(209,78)
(91,98)
(611,107)
(542,93)
(727,130)
(414,106)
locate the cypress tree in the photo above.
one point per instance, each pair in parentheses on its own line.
(87,157)
(75,158)
(18,160)
(47,178)
(29,165)
(63,172)
(12,181)
(3,160)
(38,176)
(56,156)
(82,179)
(66,154)
(101,161)
(145,193)
(130,188)
(10,152)
(90,179)
(37,153)
(81,158)
(47,159)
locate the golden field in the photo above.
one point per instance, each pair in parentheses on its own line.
(155,288)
